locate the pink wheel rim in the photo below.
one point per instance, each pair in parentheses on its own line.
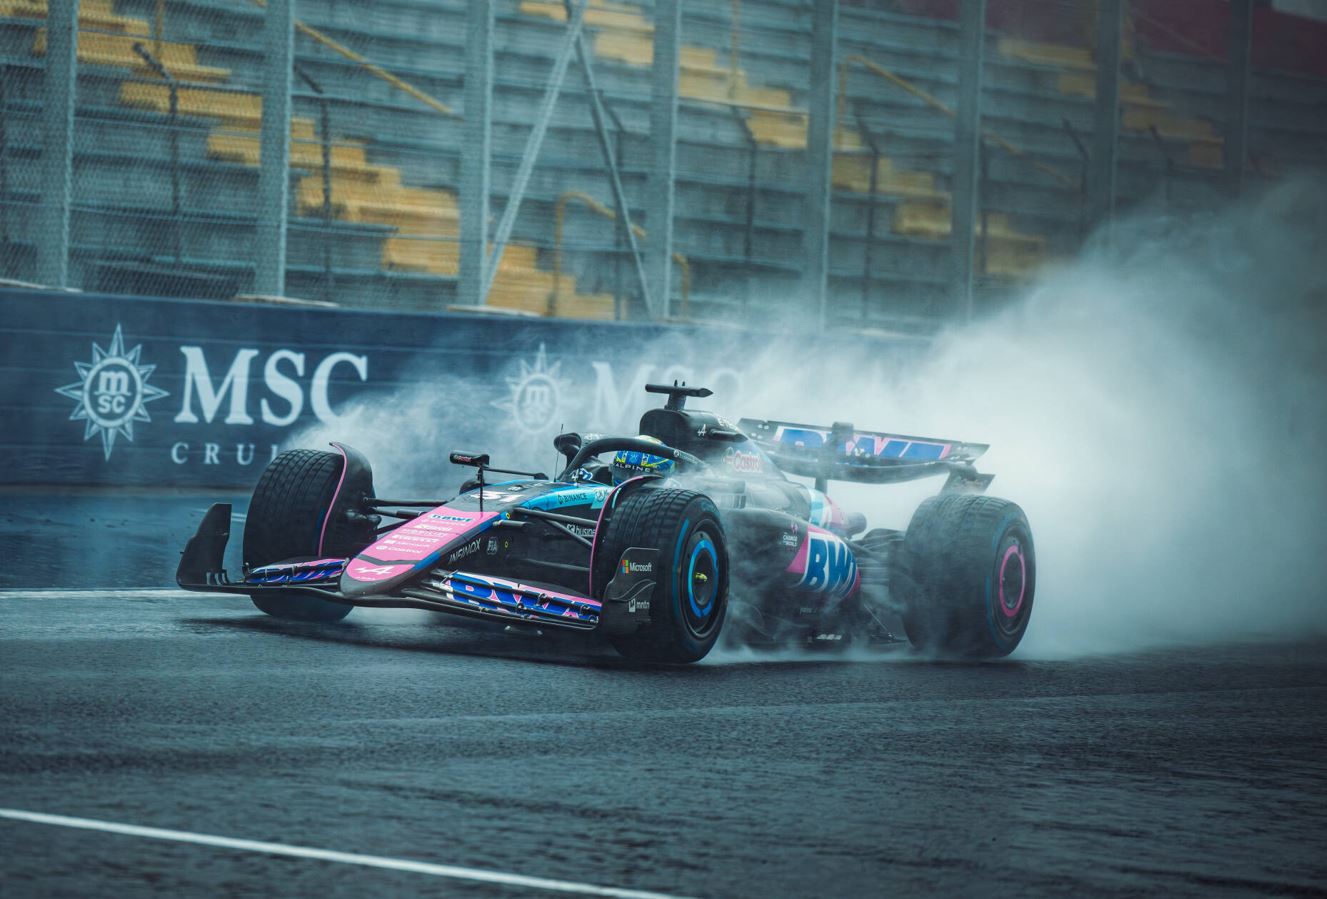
(1009,609)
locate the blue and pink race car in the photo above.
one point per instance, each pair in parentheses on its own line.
(659,542)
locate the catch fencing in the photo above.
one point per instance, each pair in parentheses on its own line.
(841,165)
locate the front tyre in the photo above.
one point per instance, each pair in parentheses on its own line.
(968,574)
(296,513)
(690,596)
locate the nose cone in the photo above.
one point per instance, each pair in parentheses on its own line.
(413,547)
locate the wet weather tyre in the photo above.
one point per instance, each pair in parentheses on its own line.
(968,574)
(286,521)
(690,596)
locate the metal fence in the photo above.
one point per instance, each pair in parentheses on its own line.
(875,164)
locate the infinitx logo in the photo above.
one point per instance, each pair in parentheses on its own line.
(111,392)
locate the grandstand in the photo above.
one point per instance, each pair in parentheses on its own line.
(165,200)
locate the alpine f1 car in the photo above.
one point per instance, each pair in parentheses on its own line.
(653,541)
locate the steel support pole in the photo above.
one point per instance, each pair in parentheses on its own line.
(533,143)
(1241,54)
(58,91)
(476,181)
(819,159)
(1106,120)
(619,242)
(624,224)
(274,149)
(873,185)
(967,152)
(4,175)
(663,139)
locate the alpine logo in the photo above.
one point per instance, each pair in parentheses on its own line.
(111,392)
(363,571)
(830,565)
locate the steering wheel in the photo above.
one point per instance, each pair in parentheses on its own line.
(616,444)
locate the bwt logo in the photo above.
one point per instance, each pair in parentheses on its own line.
(507,593)
(478,588)
(830,566)
(872,445)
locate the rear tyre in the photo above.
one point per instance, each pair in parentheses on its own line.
(286,521)
(968,575)
(690,595)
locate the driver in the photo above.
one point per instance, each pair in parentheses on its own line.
(628,464)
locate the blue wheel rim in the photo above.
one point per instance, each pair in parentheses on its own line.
(700,585)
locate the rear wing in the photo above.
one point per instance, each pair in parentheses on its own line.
(841,452)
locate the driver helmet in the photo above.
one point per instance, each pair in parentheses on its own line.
(631,463)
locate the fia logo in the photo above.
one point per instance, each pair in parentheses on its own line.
(536,394)
(111,392)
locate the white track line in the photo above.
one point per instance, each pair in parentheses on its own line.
(348,858)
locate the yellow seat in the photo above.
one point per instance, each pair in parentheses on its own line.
(232,108)
(96,14)
(181,60)
(1047,54)
(1141,111)
(437,257)
(614,16)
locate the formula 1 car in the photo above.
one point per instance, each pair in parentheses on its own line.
(690,524)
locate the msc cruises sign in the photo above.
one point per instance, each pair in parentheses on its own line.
(113,391)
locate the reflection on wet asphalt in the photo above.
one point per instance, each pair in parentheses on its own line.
(400,735)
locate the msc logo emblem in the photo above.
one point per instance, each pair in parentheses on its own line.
(111,392)
(535,394)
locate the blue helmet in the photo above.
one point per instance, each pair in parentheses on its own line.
(630,463)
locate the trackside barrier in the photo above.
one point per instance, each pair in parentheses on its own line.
(112,390)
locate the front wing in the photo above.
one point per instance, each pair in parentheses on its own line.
(437,589)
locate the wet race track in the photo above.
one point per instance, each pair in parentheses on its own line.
(398,736)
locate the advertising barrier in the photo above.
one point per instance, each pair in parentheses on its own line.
(105,390)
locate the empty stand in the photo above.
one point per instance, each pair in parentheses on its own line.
(163,194)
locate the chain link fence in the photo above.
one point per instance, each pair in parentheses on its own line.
(167,149)
(570,252)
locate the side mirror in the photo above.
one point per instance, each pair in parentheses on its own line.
(478,460)
(568,444)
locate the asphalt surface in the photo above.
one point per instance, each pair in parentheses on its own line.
(103,538)
(399,735)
